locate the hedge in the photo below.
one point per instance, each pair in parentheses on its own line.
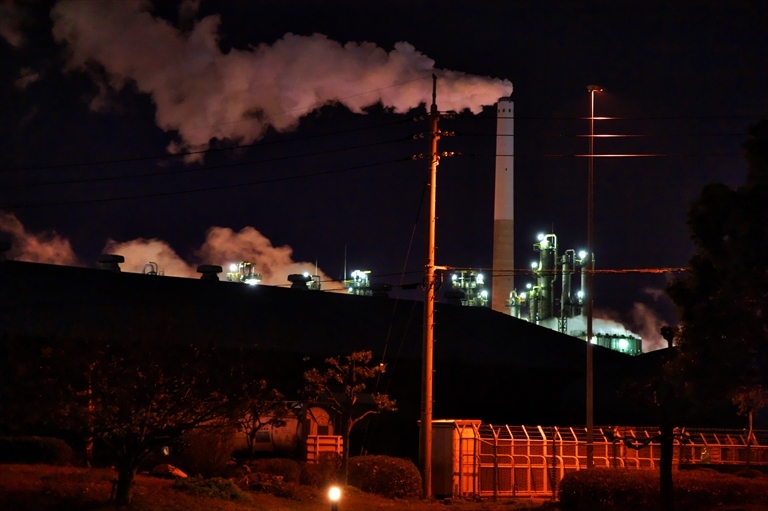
(384,475)
(638,490)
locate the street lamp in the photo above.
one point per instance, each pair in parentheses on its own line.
(590,277)
(334,495)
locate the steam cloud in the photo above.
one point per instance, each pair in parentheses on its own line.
(222,246)
(45,247)
(201,93)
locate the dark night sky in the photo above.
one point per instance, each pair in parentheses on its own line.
(688,77)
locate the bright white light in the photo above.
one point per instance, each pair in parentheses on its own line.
(582,254)
(454,277)
(540,237)
(252,282)
(522,296)
(623,344)
(480,278)
(528,286)
(580,294)
(484,293)
(534,265)
(306,274)
(334,493)
(594,340)
(233,267)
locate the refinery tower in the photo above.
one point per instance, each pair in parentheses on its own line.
(504,212)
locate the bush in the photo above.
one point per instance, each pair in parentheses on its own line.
(638,490)
(35,449)
(215,487)
(322,473)
(206,452)
(286,468)
(384,475)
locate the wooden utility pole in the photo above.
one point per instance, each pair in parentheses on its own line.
(425,444)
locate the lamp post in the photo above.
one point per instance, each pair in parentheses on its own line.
(334,495)
(590,278)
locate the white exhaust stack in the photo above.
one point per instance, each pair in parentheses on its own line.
(504,211)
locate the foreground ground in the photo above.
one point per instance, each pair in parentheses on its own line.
(43,487)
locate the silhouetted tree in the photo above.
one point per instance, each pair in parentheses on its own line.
(137,395)
(341,386)
(266,407)
(723,297)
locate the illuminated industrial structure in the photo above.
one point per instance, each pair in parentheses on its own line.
(468,288)
(539,305)
(244,272)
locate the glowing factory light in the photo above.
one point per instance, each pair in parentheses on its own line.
(454,277)
(580,294)
(252,282)
(528,286)
(594,340)
(534,265)
(540,237)
(484,293)
(306,274)
(582,254)
(623,344)
(233,267)
(480,278)
(522,296)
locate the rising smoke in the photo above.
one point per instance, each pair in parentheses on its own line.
(43,247)
(201,93)
(222,246)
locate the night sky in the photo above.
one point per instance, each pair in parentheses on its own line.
(95,95)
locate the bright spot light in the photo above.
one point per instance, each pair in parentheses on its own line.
(623,344)
(534,265)
(233,267)
(484,293)
(480,278)
(580,294)
(522,296)
(334,493)
(582,254)
(306,274)
(528,286)
(594,340)
(252,282)
(454,277)
(540,237)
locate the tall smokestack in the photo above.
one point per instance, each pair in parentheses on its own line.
(504,211)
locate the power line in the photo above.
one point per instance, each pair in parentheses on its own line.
(201,169)
(204,189)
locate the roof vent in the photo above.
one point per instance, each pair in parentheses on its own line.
(209,271)
(111,262)
(299,281)
(5,246)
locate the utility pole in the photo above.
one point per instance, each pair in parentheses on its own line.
(429,308)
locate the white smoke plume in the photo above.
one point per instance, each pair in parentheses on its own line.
(11,18)
(222,247)
(648,325)
(201,93)
(140,252)
(43,247)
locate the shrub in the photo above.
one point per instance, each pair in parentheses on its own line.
(288,469)
(206,452)
(322,473)
(35,449)
(638,490)
(384,475)
(215,487)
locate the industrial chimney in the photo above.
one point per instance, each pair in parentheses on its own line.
(503,280)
